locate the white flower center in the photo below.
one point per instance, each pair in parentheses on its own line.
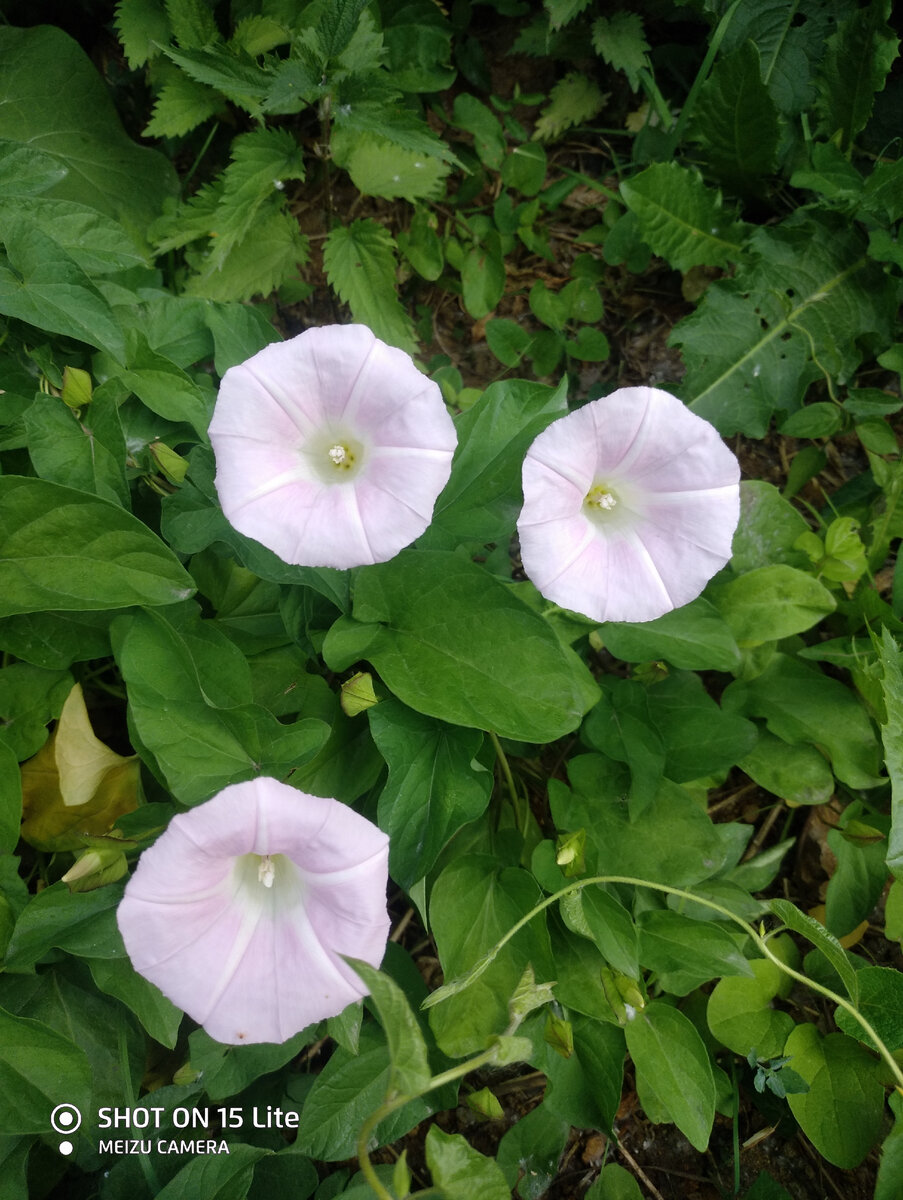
(600,499)
(266,871)
(336,456)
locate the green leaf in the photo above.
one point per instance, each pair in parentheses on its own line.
(141,23)
(64,549)
(413,620)
(267,257)
(820,938)
(771,603)
(483,280)
(736,121)
(856,62)
(589,345)
(29,700)
(671,1058)
(681,219)
(740,1012)
(891,1167)
(41,284)
(797,773)
(98,244)
(410,1074)
(809,290)
(801,704)
(105,170)
(585,1089)
(233,72)
(694,638)
(698,736)
(524,169)
(87,452)
(435,785)
(10,805)
(190,704)
(421,246)
(842,1111)
(530,1151)
(84,923)
(217,1176)
(573,100)
(881,1003)
(227,1070)
(337,24)
(685,953)
(768,530)
(616,1183)
(599,916)
(25,171)
(507,340)
(360,264)
(475,118)
(159,1016)
(181,106)
(483,497)
(892,737)
(377,168)
(37,1068)
(620,40)
(462,1172)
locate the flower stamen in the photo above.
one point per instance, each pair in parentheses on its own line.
(601,498)
(266,871)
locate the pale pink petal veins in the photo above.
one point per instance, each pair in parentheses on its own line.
(253,963)
(674,506)
(278,416)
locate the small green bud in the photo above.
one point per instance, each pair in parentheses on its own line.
(173,465)
(485,1104)
(77,388)
(401,1177)
(95,868)
(559,1034)
(570,853)
(357,694)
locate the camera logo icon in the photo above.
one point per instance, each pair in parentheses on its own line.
(65,1118)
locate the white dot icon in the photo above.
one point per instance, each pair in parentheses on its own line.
(65,1118)
(65,1147)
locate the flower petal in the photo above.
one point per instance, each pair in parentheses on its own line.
(250,962)
(670,492)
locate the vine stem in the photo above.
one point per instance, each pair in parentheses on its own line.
(760,941)
(506,768)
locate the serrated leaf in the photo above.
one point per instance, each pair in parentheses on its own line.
(234,73)
(259,264)
(377,168)
(140,24)
(392,121)
(337,24)
(621,42)
(360,265)
(892,736)
(749,346)
(682,219)
(562,12)
(192,22)
(736,120)
(572,101)
(857,59)
(258,34)
(182,104)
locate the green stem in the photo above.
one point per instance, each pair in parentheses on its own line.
(760,941)
(506,769)
(197,162)
(701,76)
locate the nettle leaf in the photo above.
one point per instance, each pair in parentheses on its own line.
(360,264)
(365,104)
(268,256)
(258,34)
(377,168)
(192,22)
(856,62)
(892,736)
(140,24)
(182,104)
(681,219)
(621,42)
(234,73)
(736,121)
(562,12)
(572,101)
(809,290)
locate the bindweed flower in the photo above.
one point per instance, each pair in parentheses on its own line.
(630,506)
(331,448)
(240,912)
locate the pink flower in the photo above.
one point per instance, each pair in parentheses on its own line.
(241,910)
(630,506)
(331,448)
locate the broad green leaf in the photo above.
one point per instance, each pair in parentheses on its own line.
(892,735)
(802,704)
(462,1172)
(239,332)
(621,726)
(797,773)
(616,1183)
(38,1067)
(681,219)
(823,940)
(483,496)
(227,1070)
(698,737)
(219,1176)
(585,1089)
(693,638)
(471,115)
(360,265)
(507,340)
(190,706)
(141,23)
(524,169)
(685,953)
(377,168)
(55,640)
(421,246)
(768,529)
(84,923)
(230,71)
(672,1059)
(26,171)
(435,785)
(573,100)
(483,280)
(159,1016)
(44,286)
(418,41)
(105,170)
(859,879)
(736,121)
(530,1151)
(890,1170)
(621,42)
(599,916)
(881,1003)
(30,698)
(740,1012)
(95,242)
(85,451)
(410,1074)
(842,1111)
(770,603)
(64,549)
(10,808)
(808,289)
(474,903)
(508,672)
(857,59)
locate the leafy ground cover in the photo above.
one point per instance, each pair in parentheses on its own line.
(646,877)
